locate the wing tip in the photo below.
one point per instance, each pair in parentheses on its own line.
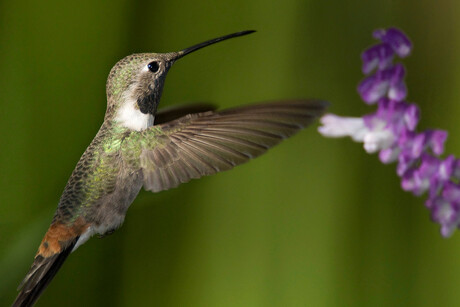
(319,105)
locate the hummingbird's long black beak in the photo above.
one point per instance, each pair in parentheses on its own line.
(188,50)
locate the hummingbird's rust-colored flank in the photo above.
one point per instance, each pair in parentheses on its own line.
(59,235)
(137,147)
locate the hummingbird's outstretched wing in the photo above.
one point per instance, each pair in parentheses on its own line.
(206,143)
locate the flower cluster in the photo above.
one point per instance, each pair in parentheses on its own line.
(391,131)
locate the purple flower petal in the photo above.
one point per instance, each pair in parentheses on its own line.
(442,175)
(446,214)
(380,56)
(428,166)
(396,39)
(412,116)
(417,146)
(406,139)
(456,173)
(389,155)
(418,180)
(397,73)
(446,168)
(414,144)
(408,181)
(405,163)
(392,112)
(435,140)
(373,88)
(448,229)
(397,91)
(411,144)
(429,203)
(451,192)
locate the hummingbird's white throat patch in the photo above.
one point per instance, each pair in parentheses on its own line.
(129,115)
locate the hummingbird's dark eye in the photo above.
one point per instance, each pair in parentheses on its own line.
(153,66)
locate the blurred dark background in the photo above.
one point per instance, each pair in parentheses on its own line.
(315,222)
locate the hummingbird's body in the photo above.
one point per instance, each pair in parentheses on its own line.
(102,186)
(137,147)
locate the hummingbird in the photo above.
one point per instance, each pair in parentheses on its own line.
(138,146)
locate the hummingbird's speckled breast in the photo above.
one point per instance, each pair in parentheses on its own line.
(103,184)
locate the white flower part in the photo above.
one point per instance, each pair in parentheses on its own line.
(337,126)
(377,140)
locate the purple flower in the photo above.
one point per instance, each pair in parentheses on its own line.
(446,213)
(442,177)
(398,41)
(388,82)
(380,55)
(417,179)
(391,131)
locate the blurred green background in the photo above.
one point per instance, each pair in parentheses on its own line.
(315,222)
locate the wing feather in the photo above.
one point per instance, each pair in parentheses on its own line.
(201,144)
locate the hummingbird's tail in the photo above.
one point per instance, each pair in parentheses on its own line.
(57,244)
(39,276)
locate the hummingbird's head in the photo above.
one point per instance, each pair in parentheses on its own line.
(139,78)
(135,84)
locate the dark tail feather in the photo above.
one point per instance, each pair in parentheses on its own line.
(40,275)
